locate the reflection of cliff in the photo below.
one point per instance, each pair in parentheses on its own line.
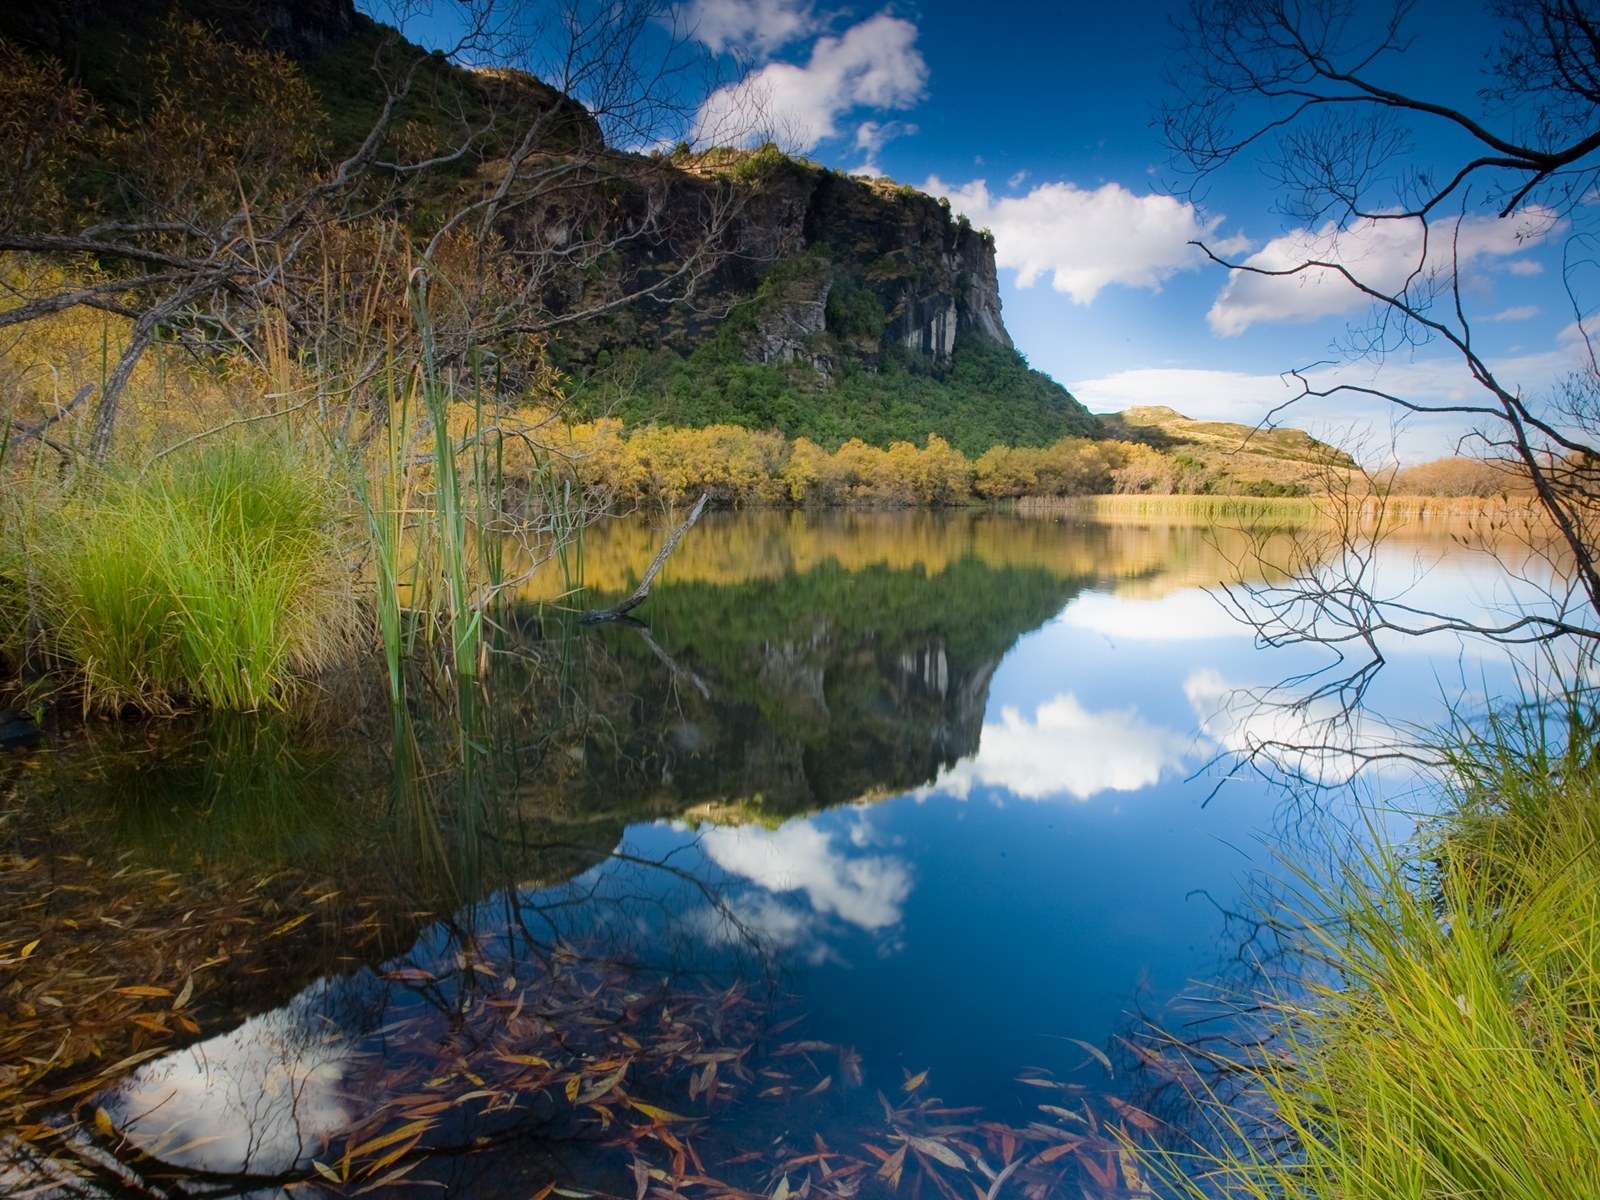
(820,689)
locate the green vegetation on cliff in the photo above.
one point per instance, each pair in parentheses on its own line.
(986,397)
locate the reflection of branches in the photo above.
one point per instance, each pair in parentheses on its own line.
(1303,91)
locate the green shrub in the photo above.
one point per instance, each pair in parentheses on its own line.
(215,577)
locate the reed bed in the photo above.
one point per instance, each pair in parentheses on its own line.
(1450,508)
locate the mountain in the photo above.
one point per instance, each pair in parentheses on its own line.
(723,285)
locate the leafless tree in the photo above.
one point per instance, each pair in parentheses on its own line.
(1317,96)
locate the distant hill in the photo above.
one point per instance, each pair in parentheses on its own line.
(1230,452)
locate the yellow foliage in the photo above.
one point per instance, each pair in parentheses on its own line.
(43,121)
(1144,470)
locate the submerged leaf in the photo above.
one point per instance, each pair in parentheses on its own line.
(601,1086)
(1099,1054)
(892,1166)
(656,1114)
(938,1150)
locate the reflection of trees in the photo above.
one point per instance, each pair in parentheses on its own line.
(819,688)
(1141,555)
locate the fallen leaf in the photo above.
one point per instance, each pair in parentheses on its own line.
(939,1151)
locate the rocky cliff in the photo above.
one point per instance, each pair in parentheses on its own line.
(852,299)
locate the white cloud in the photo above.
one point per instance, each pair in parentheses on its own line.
(1385,254)
(1066,749)
(874,64)
(1198,393)
(1525,266)
(1521,312)
(756,28)
(868,891)
(1086,239)
(1362,424)
(873,136)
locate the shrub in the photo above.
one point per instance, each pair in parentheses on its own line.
(1455,477)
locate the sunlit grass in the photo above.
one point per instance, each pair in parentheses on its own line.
(1179,507)
(216,576)
(1457,1053)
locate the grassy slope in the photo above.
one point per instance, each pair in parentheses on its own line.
(1243,452)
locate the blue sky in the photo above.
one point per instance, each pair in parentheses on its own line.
(1035,120)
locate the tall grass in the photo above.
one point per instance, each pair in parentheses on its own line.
(217,576)
(1457,1050)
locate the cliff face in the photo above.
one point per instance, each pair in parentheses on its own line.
(842,266)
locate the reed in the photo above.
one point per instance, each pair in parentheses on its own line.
(1456,1049)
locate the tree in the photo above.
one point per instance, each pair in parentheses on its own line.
(1315,94)
(215,206)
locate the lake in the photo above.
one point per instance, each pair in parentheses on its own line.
(871,858)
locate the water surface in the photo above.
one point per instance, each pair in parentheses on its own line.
(964,790)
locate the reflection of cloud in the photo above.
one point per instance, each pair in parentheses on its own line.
(1318,740)
(840,884)
(1067,749)
(1189,615)
(258,1100)
(867,891)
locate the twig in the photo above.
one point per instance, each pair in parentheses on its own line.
(216,429)
(25,433)
(671,663)
(596,615)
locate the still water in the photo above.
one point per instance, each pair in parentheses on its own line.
(870,859)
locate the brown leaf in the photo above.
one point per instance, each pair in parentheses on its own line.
(892,1166)
(939,1151)
(1057,1151)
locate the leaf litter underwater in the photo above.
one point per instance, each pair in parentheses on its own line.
(487,1064)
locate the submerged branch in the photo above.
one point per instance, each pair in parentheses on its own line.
(596,615)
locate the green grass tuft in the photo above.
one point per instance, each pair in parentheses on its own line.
(1457,1053)
(215,577)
